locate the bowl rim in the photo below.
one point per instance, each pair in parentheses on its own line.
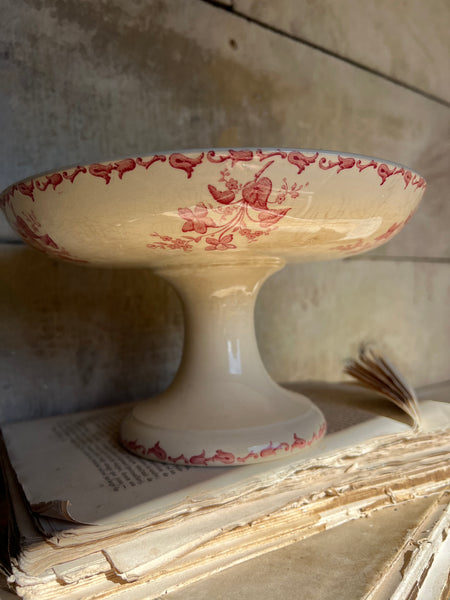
(196,150)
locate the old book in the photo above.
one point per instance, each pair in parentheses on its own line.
(420,568)
(89,519)
(393,553)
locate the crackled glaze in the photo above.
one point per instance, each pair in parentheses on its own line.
(290,203)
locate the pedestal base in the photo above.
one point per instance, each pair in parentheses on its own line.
(237,446)
(223,408)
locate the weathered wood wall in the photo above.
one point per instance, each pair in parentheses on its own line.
(92,80)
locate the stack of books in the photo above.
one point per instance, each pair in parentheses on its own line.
(87,519)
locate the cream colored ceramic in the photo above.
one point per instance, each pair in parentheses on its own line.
(216,224)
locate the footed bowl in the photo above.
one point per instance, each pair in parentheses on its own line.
(216,223)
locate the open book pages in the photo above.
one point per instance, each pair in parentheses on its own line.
(104,520)
(57,459)
(377,373)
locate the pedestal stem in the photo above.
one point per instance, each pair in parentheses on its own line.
(221,376)
(219,333)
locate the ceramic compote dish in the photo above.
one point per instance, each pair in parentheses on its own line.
(216,223)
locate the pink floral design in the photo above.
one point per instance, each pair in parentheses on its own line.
(270,217)
(243,459)
(149,163)
(27,189)
(271,450)
(419,182)
(159,453)
(32,236)
(384,172)
(252,235)
(245,209)
(196,220)
(186,163)
(360,245)
(361,167)
(54,180)
(167,242)
(29,229)
(389,233)
(301,161)
(342,163)
(123,166)
(293,191)
(223,243)
(250,209)
(235,156)
(100,170)
(189,163)
(221,456)
(264,155)
(299,442)
(75,172)
(355,247)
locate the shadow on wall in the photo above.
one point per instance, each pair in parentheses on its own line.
(76,337)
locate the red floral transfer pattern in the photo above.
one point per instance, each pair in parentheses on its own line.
(29,229)
(250,210)
(246,210)
(360,245)
(220,456)
(188,164)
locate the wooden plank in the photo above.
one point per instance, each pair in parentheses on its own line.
(75,338)
(85,83)
(312,317)
(408,41)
